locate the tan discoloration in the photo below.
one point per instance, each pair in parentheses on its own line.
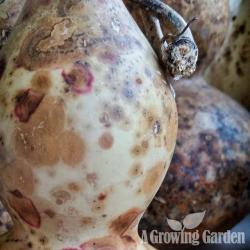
(106,141)
(139,150)
(121,224)
(136,170)
(23,177)
(153,178)
(72,148)
(57,35)
(74,187)
(41,81)
(44,47)
(37,140)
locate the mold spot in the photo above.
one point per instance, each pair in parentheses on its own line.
(72,148)
(102,196)
(74,187)
(50,213)
(117,113)
(61,196)
(105,119)
(91,178)
(25,208)
(79,78)
(106,243)
(136,170)
(125,221)
(140,150)
(26,104)
(41,81)
(109,57)
(106,141)
(128,93)
(153,179)
(139,81)
(86,221)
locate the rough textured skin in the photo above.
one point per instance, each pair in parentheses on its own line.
(230,70)
(87,127)
(9,13)
(211,165)
(209,31)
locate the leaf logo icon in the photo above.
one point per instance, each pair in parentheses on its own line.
(192,221)
(174,224)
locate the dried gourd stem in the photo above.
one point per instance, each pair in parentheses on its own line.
(162,9)
(179,56)
(182,32)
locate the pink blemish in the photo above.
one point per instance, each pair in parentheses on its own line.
(27,103)
(25,209)
(79,78)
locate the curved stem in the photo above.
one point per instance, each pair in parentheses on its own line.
(167,12)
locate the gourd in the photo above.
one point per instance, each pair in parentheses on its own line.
(229,71)
(87,127)
(210,170)
(9,13)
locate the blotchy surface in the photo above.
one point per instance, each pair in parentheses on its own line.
(210,170)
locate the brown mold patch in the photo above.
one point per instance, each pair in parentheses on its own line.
(25,208)
(72,148)
(50,213)
(41,81)
(61,196)
(102,196)
(136,170)
(19,174)
(26,104)
(153,178)
(106,141)
(37,140)
(140,150)
(87,221)
(48,45)
(74,187)
(121,224)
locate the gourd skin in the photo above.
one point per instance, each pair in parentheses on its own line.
(9,13)
(229,71)
(210,169)
(87,127)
